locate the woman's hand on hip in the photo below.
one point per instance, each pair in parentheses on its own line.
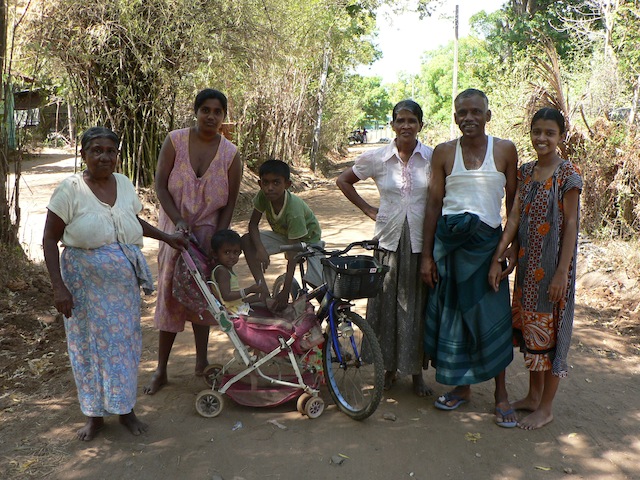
(371,212)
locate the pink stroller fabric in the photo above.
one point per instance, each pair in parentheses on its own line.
(298,318)
(184,288)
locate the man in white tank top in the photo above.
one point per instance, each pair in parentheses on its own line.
(468,328)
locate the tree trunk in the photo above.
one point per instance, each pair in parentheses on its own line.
(8,231)
(72,130)
(316,131)
(608,9)
(634,105)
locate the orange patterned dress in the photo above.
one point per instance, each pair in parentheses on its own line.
(543,329)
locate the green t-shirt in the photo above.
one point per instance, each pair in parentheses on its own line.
(295,221)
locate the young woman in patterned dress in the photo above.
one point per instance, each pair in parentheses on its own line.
(197,182)
(545,217)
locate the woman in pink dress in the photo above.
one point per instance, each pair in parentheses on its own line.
(197,182)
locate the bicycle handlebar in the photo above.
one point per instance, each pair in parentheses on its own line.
(307,249)
(300,247)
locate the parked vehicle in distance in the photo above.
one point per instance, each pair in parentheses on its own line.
(356,136)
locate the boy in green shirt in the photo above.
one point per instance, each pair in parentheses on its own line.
(291,221)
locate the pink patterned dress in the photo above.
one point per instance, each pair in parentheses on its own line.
(199,200)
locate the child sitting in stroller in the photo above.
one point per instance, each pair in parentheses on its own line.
(278,357)
(226,248)
(249,303)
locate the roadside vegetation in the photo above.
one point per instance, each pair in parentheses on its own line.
(288,69)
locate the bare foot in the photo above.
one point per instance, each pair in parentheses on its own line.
(135,426)
(89,430)
(389,379)
(537,419)
(158,380)
(505,415)
(420,388)
(526,403)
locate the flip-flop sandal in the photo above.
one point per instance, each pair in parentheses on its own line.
(441,402)
(503,414)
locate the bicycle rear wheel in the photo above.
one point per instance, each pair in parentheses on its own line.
(353,366)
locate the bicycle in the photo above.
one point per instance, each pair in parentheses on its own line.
(352,359)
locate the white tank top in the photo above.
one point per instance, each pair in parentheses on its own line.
(475,191)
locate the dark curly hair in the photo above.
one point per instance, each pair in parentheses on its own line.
(222,237)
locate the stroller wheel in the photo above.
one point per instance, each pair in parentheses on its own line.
(211,373)
(314,407)
(209,403)
(302,402)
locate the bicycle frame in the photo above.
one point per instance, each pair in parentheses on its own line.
(328,310)
(354,381)
(335,305)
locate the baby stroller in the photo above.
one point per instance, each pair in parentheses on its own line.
(279,358)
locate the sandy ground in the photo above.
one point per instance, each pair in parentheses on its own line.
(595,434)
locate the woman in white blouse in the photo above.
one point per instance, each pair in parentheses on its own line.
(97,280)
(401,171)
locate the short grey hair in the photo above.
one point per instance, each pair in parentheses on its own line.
(98,132)
(472,92)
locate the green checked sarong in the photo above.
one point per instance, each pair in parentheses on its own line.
(467,325)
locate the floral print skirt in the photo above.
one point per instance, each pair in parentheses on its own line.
(104,337)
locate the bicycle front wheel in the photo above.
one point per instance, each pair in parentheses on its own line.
(353,366)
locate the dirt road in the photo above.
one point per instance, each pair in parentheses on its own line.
(595,435)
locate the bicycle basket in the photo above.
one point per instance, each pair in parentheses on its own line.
(352,277)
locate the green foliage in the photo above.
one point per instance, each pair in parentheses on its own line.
(610,163)
(522,24)
(426,8)
(121,72)
(584,83)
(626,38)
(432,87)
(136,65)
(372,99)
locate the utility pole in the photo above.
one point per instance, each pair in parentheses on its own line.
(454,90)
